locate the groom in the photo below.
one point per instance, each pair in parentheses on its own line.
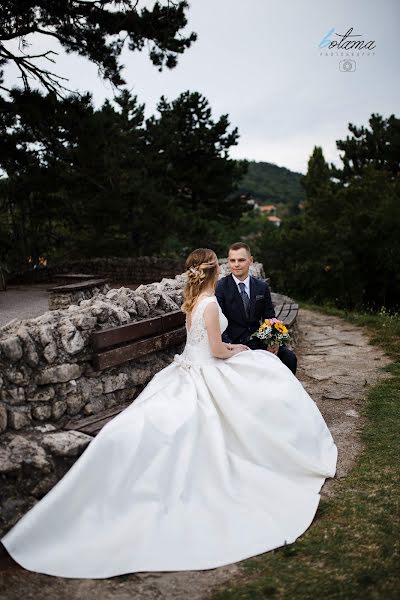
(245,300)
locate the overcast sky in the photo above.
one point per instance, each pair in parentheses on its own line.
(259,61)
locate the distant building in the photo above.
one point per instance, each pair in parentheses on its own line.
(268,209)
(275,220)
(250,201)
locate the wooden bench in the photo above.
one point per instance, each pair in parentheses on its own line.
(78,286)
(64,295)
(74,277)
(287,313)
(116,345)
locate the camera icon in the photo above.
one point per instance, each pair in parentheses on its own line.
(347,65)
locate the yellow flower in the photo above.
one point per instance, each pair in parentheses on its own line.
(264,325)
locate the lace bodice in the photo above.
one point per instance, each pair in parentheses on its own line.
(197,349)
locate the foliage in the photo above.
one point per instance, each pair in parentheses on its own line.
(272,184)
(97,30)
(346,246)
(76,180)
(378,147)
(97,182)
(198,174)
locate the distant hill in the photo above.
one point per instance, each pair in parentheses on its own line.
(269,183)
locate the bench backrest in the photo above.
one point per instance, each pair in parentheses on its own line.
(117,345)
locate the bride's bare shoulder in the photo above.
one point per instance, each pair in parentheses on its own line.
(211,308)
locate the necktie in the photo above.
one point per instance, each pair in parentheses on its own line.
(245,298)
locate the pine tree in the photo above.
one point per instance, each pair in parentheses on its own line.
(97,30)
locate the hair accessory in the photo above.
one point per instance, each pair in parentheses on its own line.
(194,270)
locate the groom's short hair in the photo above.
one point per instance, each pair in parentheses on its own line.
(238,246)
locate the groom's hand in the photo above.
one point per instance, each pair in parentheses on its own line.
(273,349)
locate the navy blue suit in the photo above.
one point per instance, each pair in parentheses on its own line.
(239,326)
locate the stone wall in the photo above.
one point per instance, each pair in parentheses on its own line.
(141,269)
(64,298)
(45,363)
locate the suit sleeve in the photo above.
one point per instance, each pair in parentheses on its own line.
(269,311)
(220,295)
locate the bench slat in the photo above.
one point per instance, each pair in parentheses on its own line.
(78,276)
(174,337)
(117,356)
(78,424)
(98,426)
(173,319)
(126,333)
(284,313)
(290,319)
(81,285)
(135,331)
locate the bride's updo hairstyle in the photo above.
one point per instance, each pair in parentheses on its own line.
(201,269)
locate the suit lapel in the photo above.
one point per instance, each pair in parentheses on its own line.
(236,297)
(253,294)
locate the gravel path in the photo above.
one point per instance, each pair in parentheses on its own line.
(336,366)
(23,302)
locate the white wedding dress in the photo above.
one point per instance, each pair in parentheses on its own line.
(215,461)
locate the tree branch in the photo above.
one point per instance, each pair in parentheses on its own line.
(50,80)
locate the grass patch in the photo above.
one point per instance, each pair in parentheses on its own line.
(351,551)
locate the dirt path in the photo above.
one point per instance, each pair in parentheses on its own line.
(336,365)
(23,302)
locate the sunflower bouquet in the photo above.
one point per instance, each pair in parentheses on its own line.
(272,332)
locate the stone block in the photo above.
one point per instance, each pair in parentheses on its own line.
(71,338)
(17,376)
(50,352)
(19,417)
(21,452)
(11,348)
(58,409)
(3,418)
(116,382)
(13,396)
(31,355)
(94,406)
(142,307)
(75,403)
(41,412)
(59,373)
(44,395)
(66,443)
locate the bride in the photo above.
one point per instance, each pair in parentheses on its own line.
(221,457)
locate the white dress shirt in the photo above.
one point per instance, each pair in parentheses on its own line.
(246,283)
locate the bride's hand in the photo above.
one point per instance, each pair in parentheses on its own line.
(236,348)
